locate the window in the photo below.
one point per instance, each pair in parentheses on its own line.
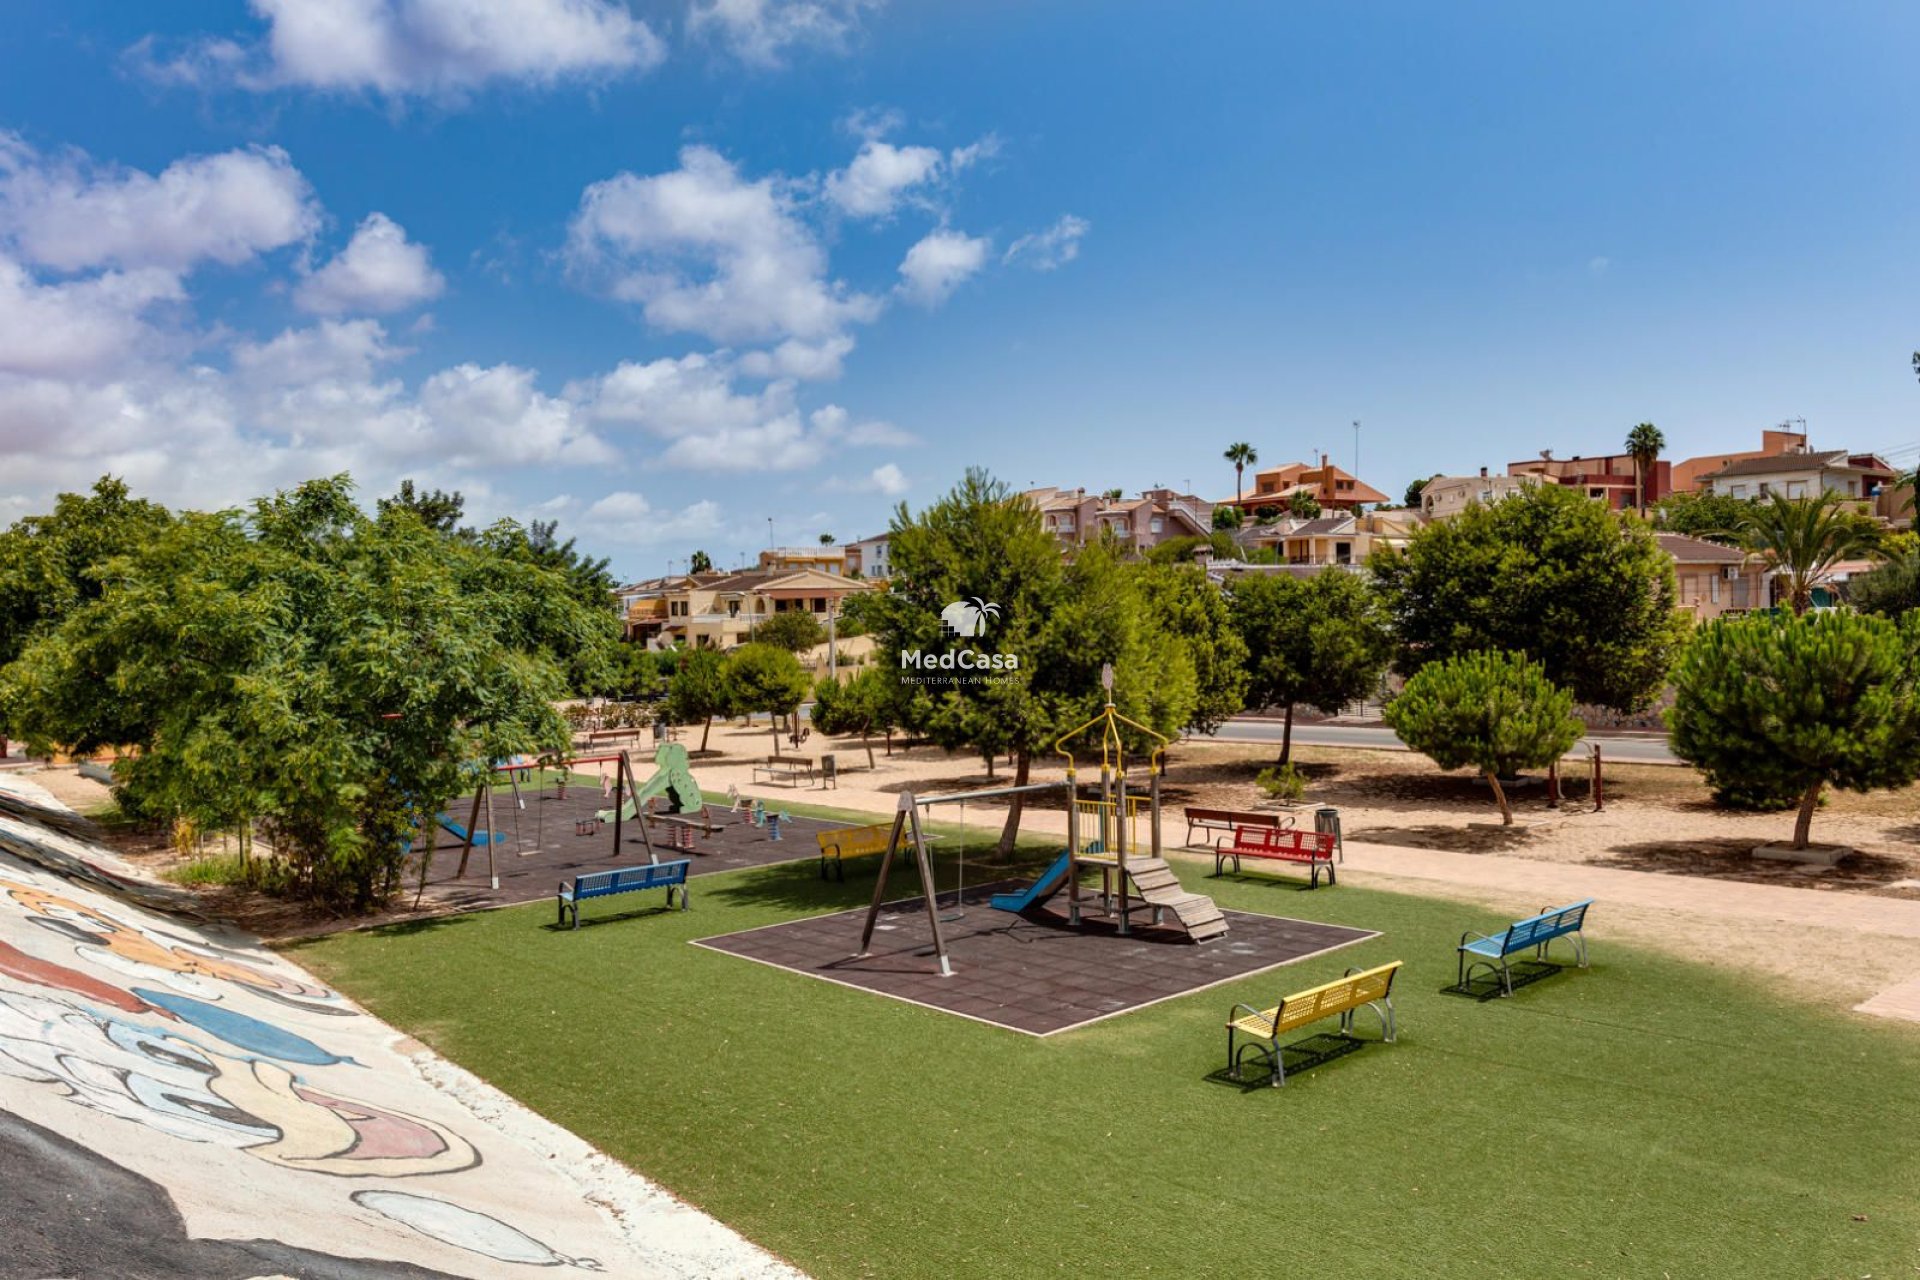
(1156,524)
(1713,588)
(1343,553)
(1739,491)
(1796,488)
(1596,493)
(1766,489)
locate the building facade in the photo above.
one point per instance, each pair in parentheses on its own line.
(1075,517)
(1333,488)
(1447,496)
(1858,478)
(1610,478)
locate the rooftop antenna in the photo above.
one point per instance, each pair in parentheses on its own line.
(1356,447)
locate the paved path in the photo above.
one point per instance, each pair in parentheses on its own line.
(1637,749)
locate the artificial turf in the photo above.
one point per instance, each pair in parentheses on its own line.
(1646,1117)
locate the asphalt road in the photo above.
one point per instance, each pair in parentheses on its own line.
(1637,748)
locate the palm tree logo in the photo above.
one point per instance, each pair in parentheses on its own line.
(968,617)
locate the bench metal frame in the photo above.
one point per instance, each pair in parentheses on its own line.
(1536,933)
(1271,1050)
(1299,853)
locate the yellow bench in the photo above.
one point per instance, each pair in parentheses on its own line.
(1262,1028)
(851,842)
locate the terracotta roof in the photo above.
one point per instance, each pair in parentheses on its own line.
(1687,550)
(1773,464)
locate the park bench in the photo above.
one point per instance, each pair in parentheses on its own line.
(851,842)
(1314,848)
(1535,933)
(606,884)
(787,768)
(1225,820)
(1262,1028)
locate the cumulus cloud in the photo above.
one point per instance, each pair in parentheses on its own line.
(879,177)
(940,263)
(404,48)
(627,517)
(71,215)
(705,420)
(760,32)
(1045,250)
(80,327)
(379,271)
(807,361)
(704,250)
(888,479)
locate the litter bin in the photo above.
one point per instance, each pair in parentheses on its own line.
(1326,820)
(829,771)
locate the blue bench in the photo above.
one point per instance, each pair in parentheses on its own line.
(605,884)
(1490,951)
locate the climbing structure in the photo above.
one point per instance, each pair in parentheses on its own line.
(672,778)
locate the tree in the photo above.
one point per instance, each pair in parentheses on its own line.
(1889,589)
(632,672)
(700,562)
(333,678)
(51,565)
(1494,711)
(1242,455)
(1712,516)
(1112,495)
(698,691)
(1787,706)
(1266,514)
(1181,600)
(1414,490)
(1303,505)
(1058,623)
(1803,539)
(1547,572)
(1225,517)
(792,630)
(762,677)
(826,539)
(438,509)
(1644,444)
(1322,640)
(863,705)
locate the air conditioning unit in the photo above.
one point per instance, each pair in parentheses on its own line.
(1731,572)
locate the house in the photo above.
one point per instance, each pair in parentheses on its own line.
(1447,496)
(1333,539)
(1333,488)
(868,558)
(1805,474)
(1715,579)
(1608,478)
(721,610)
(824,557)
(1690,474)
(1074,516)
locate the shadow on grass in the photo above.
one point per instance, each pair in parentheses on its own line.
(1275,880)
(610,917)
(1731,858)
(418,926)
(1484,986)
(1302,1055)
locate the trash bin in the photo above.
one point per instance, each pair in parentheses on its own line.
(1327,821)
(829,771)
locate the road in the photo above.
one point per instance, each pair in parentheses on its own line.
(1635,748)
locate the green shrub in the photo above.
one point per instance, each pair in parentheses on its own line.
(1282,783)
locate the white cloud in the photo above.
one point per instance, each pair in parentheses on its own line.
(73,216)
(808,361)
(495,415)
(940,263)
(879,177)
(1045,250)
(837,424)
(80,327)
(707,423)
(380,270)
(703,250)
(431,48)
(626,517)
(760,32)
(888,479)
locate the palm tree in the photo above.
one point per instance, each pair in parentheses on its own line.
(1804,538)
(1644,444)
(1242,456)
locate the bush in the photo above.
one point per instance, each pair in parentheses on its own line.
(1494,711)
(1282,783)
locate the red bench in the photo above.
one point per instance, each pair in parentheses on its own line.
(1315,848)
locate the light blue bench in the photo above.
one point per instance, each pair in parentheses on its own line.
(605,884)
(1490,951)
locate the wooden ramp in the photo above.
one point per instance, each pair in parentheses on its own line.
(1156,884)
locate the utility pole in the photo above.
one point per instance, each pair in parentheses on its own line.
(1356,448)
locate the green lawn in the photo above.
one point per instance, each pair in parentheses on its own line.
(1644,1118)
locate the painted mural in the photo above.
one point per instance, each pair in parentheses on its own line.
(191,1056)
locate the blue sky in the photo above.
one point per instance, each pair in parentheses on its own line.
(665,270)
